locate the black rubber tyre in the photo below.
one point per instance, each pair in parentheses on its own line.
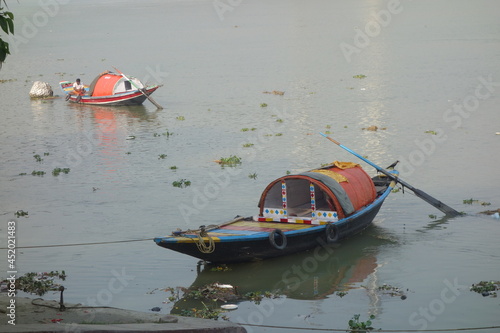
(277,239)
(332,233)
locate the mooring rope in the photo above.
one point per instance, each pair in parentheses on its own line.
(80,244)
(200,243)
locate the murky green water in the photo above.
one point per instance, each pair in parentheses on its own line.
(429,66)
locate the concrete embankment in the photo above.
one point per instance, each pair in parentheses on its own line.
(38,315)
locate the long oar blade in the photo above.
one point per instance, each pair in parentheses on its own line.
(419,193)
(436,203)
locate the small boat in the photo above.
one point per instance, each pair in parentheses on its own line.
(297,213)
(109,88)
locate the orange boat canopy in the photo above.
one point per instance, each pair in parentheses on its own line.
(321,195)
(108,84)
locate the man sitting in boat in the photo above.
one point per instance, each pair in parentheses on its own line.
(78,89)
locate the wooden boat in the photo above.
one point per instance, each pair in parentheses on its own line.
(297,213)
(110,89)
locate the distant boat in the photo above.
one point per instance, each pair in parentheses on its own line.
(297,213)
(110,89)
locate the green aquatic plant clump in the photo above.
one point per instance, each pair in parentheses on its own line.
(181,183)
(20,213)
(486,288)
(355,325)
(58,171)
(39,283)
(205,313)
(473,201)
(230,161)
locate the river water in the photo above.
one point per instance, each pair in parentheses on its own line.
(426,73)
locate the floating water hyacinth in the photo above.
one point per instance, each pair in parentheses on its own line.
(58,171)
(181,183)
(229,161)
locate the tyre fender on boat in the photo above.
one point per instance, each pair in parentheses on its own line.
(332,233)
(277,239)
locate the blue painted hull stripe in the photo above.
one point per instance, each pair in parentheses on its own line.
(237,232)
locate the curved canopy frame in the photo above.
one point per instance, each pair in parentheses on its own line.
(325,194)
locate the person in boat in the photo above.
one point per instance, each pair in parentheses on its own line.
(78,89)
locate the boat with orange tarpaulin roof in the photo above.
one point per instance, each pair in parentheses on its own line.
(109,88)
(296,213)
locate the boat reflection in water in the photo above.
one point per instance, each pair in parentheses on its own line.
(314,274)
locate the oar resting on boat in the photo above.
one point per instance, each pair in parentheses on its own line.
(419,193)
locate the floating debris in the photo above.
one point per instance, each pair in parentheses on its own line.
(181,183)
(220,268)
(359,76)
(21,213)
(229,161)
(223,286)
(388,290)
(372,128)
(472,201)
(491,212)
(486,288)
(57,171)
(274,92)
(217,292)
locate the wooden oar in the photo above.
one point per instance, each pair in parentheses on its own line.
(419,193)
(141,90)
